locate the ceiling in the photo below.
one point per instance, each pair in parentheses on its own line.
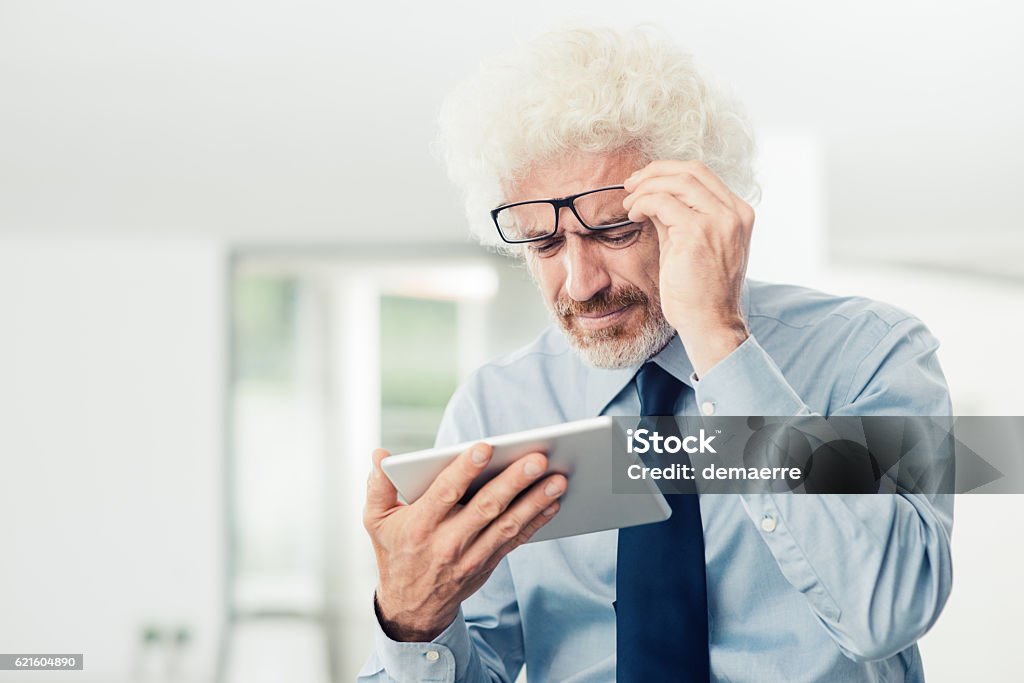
(311,121)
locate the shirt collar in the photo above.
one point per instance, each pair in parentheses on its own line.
(602,386)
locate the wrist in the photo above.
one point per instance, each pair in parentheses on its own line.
(710,345)
(407,628)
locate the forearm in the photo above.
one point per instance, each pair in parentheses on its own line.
(875,569)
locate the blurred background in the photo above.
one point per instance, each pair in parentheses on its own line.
(230,267)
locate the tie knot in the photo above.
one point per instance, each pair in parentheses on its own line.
(658,390)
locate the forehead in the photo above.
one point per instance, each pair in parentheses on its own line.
(572,173)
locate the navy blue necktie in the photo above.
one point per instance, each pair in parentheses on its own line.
(661,606)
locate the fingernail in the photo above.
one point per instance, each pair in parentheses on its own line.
(552,489)
(532,469)
(550,510)
(480,455)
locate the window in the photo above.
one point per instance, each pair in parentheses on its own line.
(332,358)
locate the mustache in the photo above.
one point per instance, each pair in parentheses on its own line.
(601,303)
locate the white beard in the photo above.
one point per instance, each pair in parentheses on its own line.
(622,352)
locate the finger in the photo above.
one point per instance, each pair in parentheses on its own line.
(716,184)
(693,192)
(520,518)
(535,525)
(670,167)
(663,209)
(452,483)
(686,187)
(381,494)
(483,569)
(494,497)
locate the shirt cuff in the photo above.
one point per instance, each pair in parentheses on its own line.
(439,660)
(746,382)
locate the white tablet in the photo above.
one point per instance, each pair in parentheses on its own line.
(581,450)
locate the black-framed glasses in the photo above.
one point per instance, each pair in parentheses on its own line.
(537,219)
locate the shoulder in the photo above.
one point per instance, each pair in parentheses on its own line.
(833,348)
(802,307)
(548,348)
(532,386)
(855,325)
(545,359)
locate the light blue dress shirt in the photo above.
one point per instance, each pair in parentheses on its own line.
(800,587)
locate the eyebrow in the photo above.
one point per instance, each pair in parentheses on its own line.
(617,216)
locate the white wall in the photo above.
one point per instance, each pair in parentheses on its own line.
(111,382)
(977,638)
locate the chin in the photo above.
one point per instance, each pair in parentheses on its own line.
(620,346)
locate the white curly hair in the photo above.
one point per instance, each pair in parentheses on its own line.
(591,90)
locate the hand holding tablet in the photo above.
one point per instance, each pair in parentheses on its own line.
(580,450)
(469,505)
(434,553)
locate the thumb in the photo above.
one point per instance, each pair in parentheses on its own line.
(381,494)
(663,230)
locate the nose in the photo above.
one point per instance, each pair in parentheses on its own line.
(585,271)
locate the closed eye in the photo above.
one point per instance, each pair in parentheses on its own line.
(547,247)
(618,237)
(614,238)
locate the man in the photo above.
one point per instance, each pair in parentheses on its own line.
(648,280)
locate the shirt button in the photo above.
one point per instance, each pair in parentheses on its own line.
(433,655)
(707,407)
(768,524)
